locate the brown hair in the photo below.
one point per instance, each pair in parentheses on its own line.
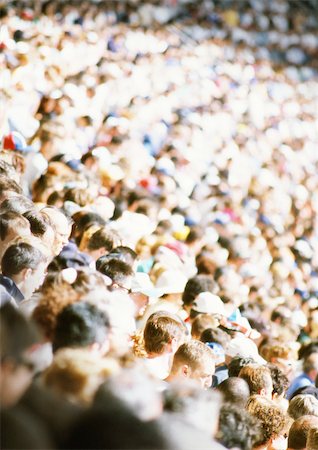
(257,377)
(160,329)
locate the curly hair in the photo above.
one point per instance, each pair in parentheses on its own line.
(271,418)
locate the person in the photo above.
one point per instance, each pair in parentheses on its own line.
(280,385)
(272,419)
(298,433)
(193,360)
(258,379)
(235,391)
(307,377)
(62,227)
(18,336)
(76,373)
(194,286)
(303,405)
(12,227)
(163,334)
(23,271)
(82,325)
(233,418)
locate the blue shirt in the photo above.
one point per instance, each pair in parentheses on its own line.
(301,381)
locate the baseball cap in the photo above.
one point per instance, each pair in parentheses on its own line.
(244,347)
(208,303)
(15,141)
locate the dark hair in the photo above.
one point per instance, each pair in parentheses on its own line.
(20,256)
(215,335)
(114,427)
(237,363)
(11,220)
(196,285)
(39,223)
(280,381)
(17,333)
(102,238)
(17,203)
(235,390)
(79,325)
(88,219)
(127,253)
(237,428)
(116,270)
(196,233)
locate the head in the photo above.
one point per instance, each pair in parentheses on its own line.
(82,325)
(101,242)
(26,266)
(119,272)
(298,433)
(280,381)
(258,379)
(311,366)
(197,407)
(272,419)
(17,336)
(201,323)
(163,333)
(237,363)
(232,418)
(8,188)
(194,360)
(61,225)
(41,227)
(303,405)
(12,226)
(76,374)
(235,391)
(194,286)
(18,203)
(135,389)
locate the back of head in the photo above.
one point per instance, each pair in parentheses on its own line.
(280,381)
(102,238)
(271,418)
(19,257)
(196,285)
(237,363)
(17,203)
(237,428)
(80,325)
(258,379)
(13,221)
(235,390)
(192,354)
(16,332)
(298,433)
(196,407)
(161,329)
(114,428)
(201,323)
(303,405)
(312,439)
(118,271)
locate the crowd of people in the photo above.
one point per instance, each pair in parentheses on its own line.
(158,225)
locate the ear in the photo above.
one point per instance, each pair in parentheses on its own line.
(185,370)
(262,392)
(25,273)
(174,345)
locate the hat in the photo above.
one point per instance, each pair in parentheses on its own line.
(142,283)
(15,141)
(171,282)
(218,352)
(244,347)
(208,303)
